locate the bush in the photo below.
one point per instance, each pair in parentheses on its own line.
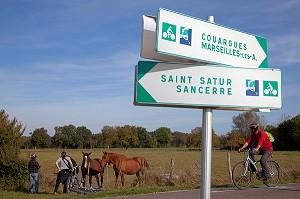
(13,175)
(13,170)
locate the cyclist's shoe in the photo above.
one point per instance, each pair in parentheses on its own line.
(259,176)
(253,169)
(267,181)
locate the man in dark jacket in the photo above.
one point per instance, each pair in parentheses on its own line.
(33,167)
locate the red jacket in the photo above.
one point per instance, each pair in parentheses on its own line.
(262,139)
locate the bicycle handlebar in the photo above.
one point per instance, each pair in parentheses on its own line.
(244,150)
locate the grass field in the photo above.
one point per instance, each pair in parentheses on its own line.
(186,170)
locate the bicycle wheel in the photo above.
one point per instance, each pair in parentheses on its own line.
(241,175)
(73,181)
(275,173)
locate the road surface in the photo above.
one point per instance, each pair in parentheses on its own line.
(287,191)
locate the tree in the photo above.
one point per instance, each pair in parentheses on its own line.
(242,121)
(12,169)
(83,137)
(163,136)
(64,136)
(127,137)
(108,137)
(40,138)
(234,140)
(179,139)
(11,132)
(195,138)
(289,134)
(144,138)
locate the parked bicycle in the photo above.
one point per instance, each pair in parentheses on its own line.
(243,172)
(74,181)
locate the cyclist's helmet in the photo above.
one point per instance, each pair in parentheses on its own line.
(253,126)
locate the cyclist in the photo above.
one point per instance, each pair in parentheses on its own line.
(263,147)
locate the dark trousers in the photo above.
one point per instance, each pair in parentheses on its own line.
(62,177)
(263,161)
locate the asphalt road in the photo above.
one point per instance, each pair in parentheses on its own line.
(287,191)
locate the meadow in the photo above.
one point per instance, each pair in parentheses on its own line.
(183,163)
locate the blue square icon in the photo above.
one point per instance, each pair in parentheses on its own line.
(252,87)
(186,36)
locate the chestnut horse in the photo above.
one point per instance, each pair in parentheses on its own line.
(124,165)
(91,167)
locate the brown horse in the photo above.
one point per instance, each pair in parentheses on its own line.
(124,165)
(91,167)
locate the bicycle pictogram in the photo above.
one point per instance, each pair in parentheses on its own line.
(169,34)
(270,90)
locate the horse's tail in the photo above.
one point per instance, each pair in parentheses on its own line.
(145,163)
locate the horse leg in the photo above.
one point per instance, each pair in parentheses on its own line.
(117,175)
(138,178)
(97,178)
(101,174)
(83,181)
(122,179)
(90,180)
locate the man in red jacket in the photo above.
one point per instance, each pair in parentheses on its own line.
(263,147)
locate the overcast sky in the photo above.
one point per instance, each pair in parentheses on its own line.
(72,62)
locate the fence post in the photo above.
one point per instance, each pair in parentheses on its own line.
(229,166)
(172,169)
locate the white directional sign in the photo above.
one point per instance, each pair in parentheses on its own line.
(187,37)
(222,87)
(148,43)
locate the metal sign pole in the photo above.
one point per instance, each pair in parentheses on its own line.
(206,148)
(206,154)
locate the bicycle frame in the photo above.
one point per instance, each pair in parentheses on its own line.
(249,162)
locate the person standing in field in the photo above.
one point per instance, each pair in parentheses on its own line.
(33,169)
(263,146)
(65,167)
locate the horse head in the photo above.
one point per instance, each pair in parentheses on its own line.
(85,159)
(105,159)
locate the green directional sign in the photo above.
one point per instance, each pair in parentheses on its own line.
(191,38)
(222,87)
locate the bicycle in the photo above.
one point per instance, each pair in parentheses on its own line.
(242,172)
(74,181)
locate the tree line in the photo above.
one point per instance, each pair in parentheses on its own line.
(286,134)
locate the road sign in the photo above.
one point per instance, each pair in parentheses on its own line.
(222,87)
(187,37)
(148,43)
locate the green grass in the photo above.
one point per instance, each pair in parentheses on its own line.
(186,171)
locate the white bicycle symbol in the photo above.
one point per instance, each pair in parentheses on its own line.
(169,34)
(270,90)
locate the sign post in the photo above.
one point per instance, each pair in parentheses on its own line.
(206,148)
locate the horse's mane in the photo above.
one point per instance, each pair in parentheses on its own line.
(116,155)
